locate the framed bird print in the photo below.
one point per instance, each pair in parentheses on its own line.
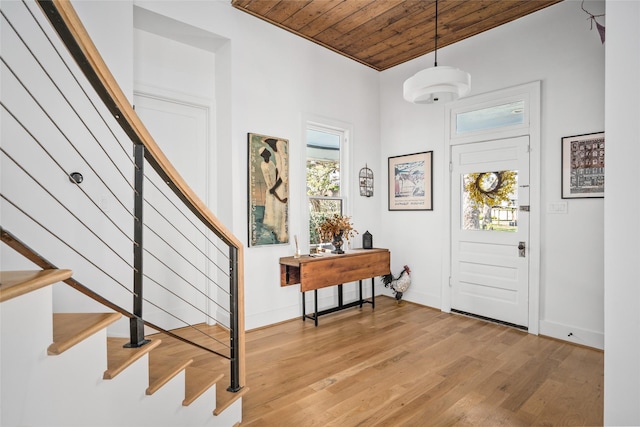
(411,182)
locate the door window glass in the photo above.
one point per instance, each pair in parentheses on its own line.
(490,201)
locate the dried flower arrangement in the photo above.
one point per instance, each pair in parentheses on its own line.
(334,225)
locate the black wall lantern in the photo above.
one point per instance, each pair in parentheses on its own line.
(366,182)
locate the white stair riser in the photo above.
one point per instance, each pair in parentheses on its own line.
(26,332)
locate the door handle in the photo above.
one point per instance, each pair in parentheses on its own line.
(522,247)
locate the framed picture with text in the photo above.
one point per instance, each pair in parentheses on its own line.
(411,182)
(583,166)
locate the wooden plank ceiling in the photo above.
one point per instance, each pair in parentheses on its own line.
(385,33)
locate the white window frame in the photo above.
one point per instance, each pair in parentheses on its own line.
(344,130)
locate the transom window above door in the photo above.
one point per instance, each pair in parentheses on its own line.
(508,116)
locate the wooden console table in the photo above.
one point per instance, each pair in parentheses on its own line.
(313,272)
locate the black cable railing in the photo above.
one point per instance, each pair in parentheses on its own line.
(61,113)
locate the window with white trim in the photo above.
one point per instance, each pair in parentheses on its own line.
(325,177)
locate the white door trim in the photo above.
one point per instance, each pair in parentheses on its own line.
(531,93)
(208,106)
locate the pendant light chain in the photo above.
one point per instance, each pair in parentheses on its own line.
(435,62)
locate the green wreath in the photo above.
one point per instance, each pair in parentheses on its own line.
(490,188)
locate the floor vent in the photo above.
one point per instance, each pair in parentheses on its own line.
(488,319)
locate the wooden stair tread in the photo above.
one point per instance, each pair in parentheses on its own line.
(162,369)
(71,328)
(225,398)
(119,357)
(206,370)
(16,283)
(198,381)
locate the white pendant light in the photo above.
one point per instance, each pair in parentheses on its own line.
(436,84)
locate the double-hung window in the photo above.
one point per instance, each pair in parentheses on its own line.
(324,177)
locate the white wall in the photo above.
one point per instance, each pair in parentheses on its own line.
(163,63)
(622,294)
(100,17)
(555,46)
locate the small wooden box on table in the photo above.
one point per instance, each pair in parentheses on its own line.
(315,272)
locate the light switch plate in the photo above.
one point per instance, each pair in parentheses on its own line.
(557,208)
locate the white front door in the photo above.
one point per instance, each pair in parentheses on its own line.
(490,229)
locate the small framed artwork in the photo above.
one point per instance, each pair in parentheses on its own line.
(583,166)
(411,182)
(268,190)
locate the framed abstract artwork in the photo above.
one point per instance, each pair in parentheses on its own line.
(411,182)
(583,166)
(268,190)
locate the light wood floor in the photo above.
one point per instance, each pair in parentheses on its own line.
(407,365)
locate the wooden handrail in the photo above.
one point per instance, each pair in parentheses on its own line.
(70,28)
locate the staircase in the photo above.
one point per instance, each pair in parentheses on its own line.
(62,369)
(63,109)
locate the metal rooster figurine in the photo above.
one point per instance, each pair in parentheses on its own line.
(400,284)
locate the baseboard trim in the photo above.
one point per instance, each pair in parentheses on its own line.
(572,334)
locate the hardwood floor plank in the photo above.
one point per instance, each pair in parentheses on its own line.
(547,393)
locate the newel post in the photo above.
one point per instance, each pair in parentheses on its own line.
(233,321)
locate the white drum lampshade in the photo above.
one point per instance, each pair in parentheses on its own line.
(437,85)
